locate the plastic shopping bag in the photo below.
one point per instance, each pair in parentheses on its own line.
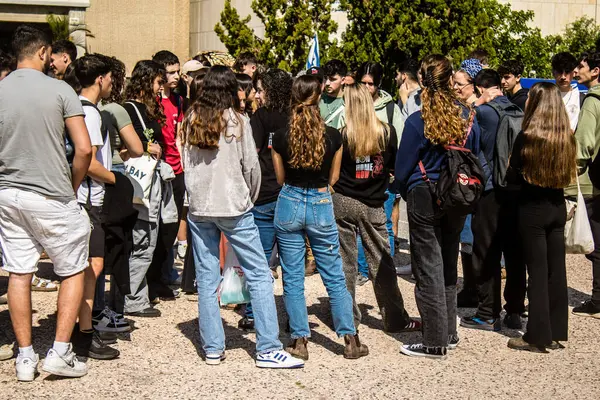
(578,233)
(233,289)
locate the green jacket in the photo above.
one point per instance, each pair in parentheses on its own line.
(588,144)
(381,110)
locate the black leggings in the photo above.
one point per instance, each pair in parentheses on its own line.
(542,218)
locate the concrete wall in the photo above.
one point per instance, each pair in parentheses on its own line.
(552,16)
(133,30)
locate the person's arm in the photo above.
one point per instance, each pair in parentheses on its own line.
(279,169)
(487,96)
(132,141)
(398,121)
(83,149)
(98,172)
(586,136)
(336,164)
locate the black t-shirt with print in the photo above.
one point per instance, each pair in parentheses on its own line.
(366,179)
(305,178)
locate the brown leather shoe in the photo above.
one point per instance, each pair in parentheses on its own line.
(310,267)
(520,344)
(298,348)
(354,349)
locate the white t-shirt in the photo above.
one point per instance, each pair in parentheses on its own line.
(93,122)
(571,100)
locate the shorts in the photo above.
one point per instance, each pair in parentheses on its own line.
(31,223)
(97,236)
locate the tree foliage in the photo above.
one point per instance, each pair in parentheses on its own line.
(289,27)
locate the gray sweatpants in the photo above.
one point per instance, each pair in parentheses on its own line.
(145,235)
(353,218)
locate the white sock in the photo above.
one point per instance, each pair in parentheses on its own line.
(27,352)
(183,242)
(61,348)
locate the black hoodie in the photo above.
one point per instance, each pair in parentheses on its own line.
(264,123)
(519,98)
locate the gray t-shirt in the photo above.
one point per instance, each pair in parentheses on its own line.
(119,119)
(33,109)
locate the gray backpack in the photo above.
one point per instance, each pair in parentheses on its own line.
(509,126)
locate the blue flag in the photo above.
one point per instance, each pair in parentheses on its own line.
(313,54)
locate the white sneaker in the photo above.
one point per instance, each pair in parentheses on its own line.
(278,359)
(214,358)
(110,321)
(26,368)
(404,270)
(68,365)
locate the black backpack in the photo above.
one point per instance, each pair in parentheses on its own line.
(70,148)
(509,127)
(594,164)
(389,110)
(461,182)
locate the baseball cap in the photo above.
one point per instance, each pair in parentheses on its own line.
(316,71)
(191,66)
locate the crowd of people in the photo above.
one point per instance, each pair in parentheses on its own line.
(120,177)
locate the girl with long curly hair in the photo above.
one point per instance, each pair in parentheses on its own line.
(307,157)
(368,159)
(222,177)
(274,88)
(142,94)
(434,235)
(544,159)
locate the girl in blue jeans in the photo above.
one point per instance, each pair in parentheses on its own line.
(223,179)
(307,157)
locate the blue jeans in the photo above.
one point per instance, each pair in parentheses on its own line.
(308,212)
(264,218)
(243,235)
(363,267)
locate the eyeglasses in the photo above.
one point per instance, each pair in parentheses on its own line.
(461,85)
(368,83)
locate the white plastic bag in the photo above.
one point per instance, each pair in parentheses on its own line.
(578,233)
(233,289)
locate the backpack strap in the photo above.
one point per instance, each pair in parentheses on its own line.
(139,117)
(103,126)
(590,95)
(334,114)
(389,108)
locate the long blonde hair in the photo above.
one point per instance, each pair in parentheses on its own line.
(441,110)
(307,128)
(365,134)
(549,148)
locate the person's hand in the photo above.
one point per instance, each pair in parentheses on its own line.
(488,95)
(124,154)
(403,92)
(155,150)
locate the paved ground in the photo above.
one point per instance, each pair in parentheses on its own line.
(161,360)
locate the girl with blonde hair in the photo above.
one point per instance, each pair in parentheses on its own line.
(368,159)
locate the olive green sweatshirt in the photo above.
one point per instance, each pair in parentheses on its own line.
(588,143)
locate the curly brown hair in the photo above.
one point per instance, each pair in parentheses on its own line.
(441,111)
(549,150)
(205,122)
(307,128)
(140,88)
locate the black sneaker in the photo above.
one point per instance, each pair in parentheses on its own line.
(90,345)
(513,321)
(418,350)
(246,324)
(467,298)
(474,322)
(453,341)
(587,309)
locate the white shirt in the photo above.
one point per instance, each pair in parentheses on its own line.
(93,122)
(571,100)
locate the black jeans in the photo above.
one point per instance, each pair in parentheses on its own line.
(593,209)
(495,232)
(434,239)
(542,225)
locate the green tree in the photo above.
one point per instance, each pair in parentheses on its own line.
(391,31)
(579,36)
(289,27)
